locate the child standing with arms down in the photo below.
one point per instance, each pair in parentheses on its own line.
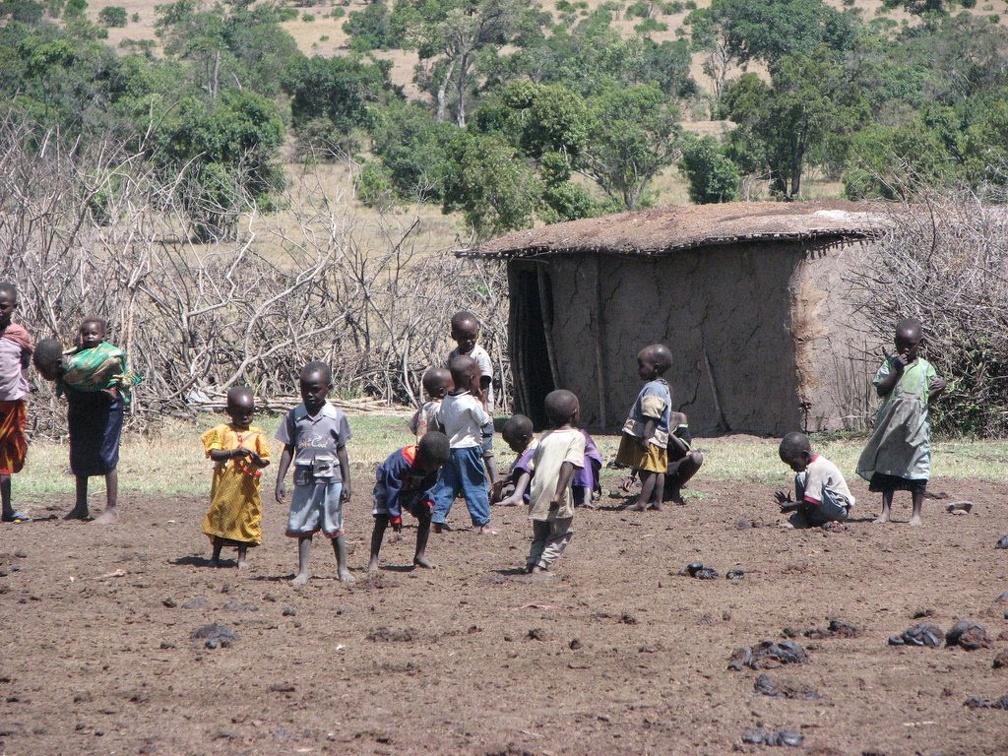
(560,453)
(465,422)
(643,445)
(404,482)
(314,435)
(437,382)
(239,452)
(465,331)
(898,455)
(821,492)
(98,385)
(15,354)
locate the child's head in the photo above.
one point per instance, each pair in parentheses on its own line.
(240,406)
(653,361)
(8,302)
(562,408)
(517,433)
(909,334)
(437,382)
(48,358)
(92,332)
(465,373)
(465,330)
(315,382)
(433,451)
(795,451)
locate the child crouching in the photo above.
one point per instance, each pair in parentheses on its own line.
(821,492)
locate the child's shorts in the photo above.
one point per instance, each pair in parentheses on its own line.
(316,506)
(645,457)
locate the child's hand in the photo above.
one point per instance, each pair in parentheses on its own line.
(345,493)
(898,362)
(782,498)
(281,493)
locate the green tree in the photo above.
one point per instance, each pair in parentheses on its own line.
(412,147)
(636,134)
(711,175)
(113,16)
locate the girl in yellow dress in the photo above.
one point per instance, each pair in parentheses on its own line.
(239,453)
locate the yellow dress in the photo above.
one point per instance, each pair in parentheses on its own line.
(235,513)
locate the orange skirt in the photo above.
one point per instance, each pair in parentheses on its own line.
(640,456)
(13,442)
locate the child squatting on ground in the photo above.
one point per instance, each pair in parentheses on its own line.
(645,433)
(15,354)
(518,434)
(404,482)
(465,422)
(239,452)
(559,454)
(898,454)
(821,493)
(314,435)
(98,385)
(465,331)
(437,382)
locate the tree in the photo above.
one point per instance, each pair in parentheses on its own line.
(711,175)
(636,134)
(113,16)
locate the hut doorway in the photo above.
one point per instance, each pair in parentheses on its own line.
(531,317)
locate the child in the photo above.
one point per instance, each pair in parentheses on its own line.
(436,382)
(15,354)
(518,434)
(684,462)
(586,484)
(98,385)
(465,330)
(464,421)
(314,435)
(239,452)
(821,493)
(404,482)
(898,455)
(551,503)
(645,433)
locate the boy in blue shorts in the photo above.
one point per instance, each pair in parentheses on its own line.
(404,483)
(821,493)
(314,435)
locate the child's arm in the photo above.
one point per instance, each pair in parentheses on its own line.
(896,365)
(341,455)
(285,459)
(521,485)
(563,483)
(936,388)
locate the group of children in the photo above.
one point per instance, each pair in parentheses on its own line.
(453,451)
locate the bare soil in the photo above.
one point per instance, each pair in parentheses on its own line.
(105,638)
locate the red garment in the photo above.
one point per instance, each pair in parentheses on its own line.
(13,443)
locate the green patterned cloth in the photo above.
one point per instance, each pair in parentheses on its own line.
(98,369)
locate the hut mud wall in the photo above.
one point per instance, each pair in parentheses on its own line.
(725,312)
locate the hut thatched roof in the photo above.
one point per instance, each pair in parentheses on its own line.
(670,229)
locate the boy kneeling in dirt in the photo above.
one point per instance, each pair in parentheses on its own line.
(821,493)
(405,481)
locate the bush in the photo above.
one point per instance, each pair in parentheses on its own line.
(711,175)
(374,186)
(113,16)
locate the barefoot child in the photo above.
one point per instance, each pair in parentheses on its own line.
(404,482)
(465,331)
(15,354)
(98,386)
(239,452)
(898,455)
(464,421)
(437,382)
(683,460)
(518,434)
(645,433)
(821,493)
(560,453)
(314,435)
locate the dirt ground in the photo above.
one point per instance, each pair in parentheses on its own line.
(614,652)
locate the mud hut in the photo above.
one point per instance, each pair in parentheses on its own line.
(754,299)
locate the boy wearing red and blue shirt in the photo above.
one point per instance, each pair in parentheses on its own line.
(403,482)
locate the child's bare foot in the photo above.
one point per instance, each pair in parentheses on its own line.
(882,519)
(344,575)
(107,517)
(440,527)
(214,562)
(638,506)
(537,570)
(656,507)
(300,579)
(242,564)
(916,520)
(487,530)
(78,514)
(421,561)
(372,566)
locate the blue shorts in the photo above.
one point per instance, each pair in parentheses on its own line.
(316,506)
